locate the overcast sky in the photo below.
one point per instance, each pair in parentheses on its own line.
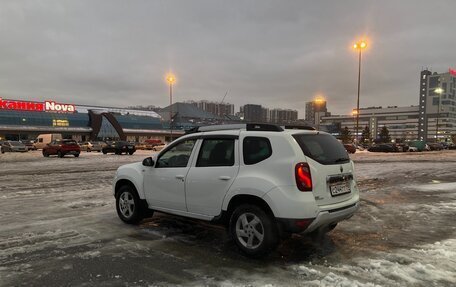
(274,53)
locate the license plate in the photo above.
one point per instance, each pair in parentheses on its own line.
(338,189)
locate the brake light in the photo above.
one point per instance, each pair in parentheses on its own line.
(303,177)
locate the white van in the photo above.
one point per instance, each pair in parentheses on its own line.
(43,139)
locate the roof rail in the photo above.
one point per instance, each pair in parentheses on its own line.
(248,127)
(291,127)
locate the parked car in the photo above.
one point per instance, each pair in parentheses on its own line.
(44,139)
(151,143)
(158,147)
(262,181)
(92,146)
(402,147)
(435,146)
(452,146)
(119,147)
(383,148)
(351,148)
(413,149)
(30,144)
(13,146)
(61,148)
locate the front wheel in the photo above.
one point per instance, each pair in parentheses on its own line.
(45,154)
(128,205)
(76,155)
(60,154)
(253,230)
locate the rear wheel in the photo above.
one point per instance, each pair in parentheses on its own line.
(131,152)
(128,205)
(60,154)
(253,230)
(45,154)
(76,155)
(105,152)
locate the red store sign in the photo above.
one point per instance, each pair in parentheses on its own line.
(47,106)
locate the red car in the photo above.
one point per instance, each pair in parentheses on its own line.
(61,148)
(351,148)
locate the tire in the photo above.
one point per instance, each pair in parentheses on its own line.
(45,154)
(131,152)
(257,239)
(104,152)
(60,154)
(88,150)
(76,155)
(128,205)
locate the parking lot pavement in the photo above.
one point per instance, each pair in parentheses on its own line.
(58,226)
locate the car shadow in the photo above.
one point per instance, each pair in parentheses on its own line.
(215,239)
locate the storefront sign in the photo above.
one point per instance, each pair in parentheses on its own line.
(452,71)
(47,106)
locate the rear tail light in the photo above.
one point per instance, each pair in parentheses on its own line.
(303,177)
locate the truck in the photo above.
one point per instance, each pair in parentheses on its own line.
(43,139)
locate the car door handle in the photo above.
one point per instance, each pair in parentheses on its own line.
(181,177)
(224,177)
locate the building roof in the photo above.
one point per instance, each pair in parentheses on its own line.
(185,110)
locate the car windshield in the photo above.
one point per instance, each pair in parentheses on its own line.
(322,148)
(14,143)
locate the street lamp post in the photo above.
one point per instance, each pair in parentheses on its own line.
(171,79)
(438,91)
(359,46)
(318,106)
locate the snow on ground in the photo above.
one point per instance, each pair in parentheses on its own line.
(58,226)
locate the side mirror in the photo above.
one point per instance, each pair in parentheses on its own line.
(148,161)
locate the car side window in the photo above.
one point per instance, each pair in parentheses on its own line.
(256,149)
(216,152)
(177,156)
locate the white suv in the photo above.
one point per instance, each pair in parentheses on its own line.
(262,181)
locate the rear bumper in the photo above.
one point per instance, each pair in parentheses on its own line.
(323,220)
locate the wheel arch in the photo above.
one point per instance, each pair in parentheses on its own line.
(240,199)
(126,181)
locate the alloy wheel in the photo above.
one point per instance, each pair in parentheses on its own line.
(127,204)
(249,230)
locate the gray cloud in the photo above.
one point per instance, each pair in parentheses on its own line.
(276,53)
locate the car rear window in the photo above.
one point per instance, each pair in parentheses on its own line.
(322,148)
(256,149)
(69,142)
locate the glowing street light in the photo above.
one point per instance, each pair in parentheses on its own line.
(171,79)
(438,91)
(318,102)
(361,45)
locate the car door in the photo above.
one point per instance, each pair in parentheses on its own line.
(164,184)
(212,174)
(51,148)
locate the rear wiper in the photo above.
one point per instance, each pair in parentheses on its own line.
(342,159)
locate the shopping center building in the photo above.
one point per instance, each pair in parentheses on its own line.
(27,119)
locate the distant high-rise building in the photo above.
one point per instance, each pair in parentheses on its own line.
(283,116)
(219,109)
(315,110)
(437,105)
(253,113)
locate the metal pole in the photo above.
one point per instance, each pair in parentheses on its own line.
(437,125)
(357,103)
(171,109)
